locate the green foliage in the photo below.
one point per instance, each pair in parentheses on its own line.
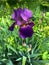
(23,60)
(30,51)
(45,3)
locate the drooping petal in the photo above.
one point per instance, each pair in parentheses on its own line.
(11,28)
(26,14)
(31,24)
(25,31)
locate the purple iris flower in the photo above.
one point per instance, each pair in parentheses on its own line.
(22,19)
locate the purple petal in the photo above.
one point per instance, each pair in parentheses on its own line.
(11,28)
(19,23)
(25,31)
(13,16)
(16,14)
(31,24)
(26,14)
(24,17)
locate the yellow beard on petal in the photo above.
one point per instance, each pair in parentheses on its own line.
(24,25)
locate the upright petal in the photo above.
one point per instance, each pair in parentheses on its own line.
(25,31)
(26,14)
(16,14)
(13,16)
(19,23)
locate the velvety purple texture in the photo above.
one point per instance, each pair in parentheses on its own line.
(25,31)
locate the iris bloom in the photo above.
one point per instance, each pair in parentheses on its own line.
(22,19)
